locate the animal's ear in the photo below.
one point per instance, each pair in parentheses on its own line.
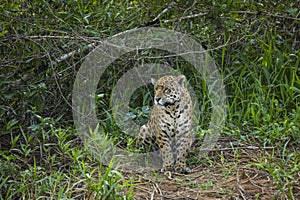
(153,81)
(181,80)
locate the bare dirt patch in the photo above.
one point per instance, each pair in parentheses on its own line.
(224,174)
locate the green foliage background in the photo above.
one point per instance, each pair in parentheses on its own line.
(255,45)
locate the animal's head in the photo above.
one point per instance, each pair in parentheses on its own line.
(168,90)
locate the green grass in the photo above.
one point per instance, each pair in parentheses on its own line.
(41,154)
(283,168)
(53,163)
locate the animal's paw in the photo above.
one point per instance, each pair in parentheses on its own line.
(167,168)
(183,170)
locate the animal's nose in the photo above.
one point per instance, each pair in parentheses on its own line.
(157,99)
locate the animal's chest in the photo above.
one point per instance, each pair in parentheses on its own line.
(169,122)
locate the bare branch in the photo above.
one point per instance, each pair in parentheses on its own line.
(265,13)
(237,12)
(185,17)
(164,11)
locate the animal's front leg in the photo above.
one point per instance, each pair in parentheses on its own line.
(166,153)
(183,144)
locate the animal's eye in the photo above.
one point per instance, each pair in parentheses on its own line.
(167,91)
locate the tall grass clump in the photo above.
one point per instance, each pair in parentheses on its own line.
(265,94)
(52,163)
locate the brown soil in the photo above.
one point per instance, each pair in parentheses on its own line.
(224,174)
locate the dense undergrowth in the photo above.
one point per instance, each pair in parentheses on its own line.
(43,44)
